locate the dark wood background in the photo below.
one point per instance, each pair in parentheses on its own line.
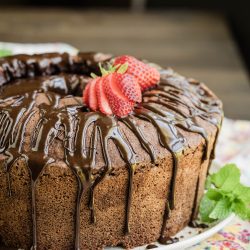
(197,44)
(235,12)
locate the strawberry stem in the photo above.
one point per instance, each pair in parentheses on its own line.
(123,68)
(104,72)
(93,75)
(119,68)
(114,68)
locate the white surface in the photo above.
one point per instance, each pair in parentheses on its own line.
(26,48)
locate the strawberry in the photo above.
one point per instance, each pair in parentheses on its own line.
(103,102)
(119,103)
(92,100)
(146,75)
(116,92)
(128,85)
(86,95)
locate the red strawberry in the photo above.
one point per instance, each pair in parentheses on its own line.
(103,102)
(129,86)
(92,101)
(119,103)
(86,95)
(146,75)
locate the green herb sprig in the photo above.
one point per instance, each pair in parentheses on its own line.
(225,195)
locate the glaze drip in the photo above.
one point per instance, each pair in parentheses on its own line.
(38,100)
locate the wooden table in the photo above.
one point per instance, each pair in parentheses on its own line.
(196,44)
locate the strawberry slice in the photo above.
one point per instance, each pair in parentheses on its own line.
(119,88)
(92,101)
(119,103)
(103,102)
(129,86)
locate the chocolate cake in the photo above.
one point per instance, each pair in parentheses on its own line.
(71,178)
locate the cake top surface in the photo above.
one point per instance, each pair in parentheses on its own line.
(50,86)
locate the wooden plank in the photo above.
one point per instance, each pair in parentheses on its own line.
(196,44)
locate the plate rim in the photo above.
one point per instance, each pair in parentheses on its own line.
(200,237)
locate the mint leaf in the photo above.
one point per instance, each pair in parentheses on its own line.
(248,213)
(208,182)
(206,207)
(222,209)
(227,177)
(225,194)
(243,193)
(241,209)
(214,194)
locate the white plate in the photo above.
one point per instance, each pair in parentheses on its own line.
(187,237)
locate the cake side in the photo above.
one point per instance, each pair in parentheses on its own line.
(56,196)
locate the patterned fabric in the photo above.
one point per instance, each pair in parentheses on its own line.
(233,146)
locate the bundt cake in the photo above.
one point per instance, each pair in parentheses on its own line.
(72,178)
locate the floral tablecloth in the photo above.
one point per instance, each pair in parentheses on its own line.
(233,146)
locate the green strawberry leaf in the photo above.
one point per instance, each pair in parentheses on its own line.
(93,75)
(123,68)
(104,72)
(227,177)
(114,68)
(109,68)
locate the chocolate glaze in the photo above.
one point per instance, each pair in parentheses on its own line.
(174,103)
(151,246)
(168,240)
(195,224)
